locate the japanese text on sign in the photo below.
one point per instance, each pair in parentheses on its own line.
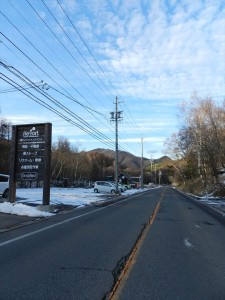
(30,151)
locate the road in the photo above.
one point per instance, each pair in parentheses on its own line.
(179,252)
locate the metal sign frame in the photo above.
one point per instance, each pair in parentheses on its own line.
(30,157)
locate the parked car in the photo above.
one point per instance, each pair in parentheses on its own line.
(104,187)
(121,188)
(4,185)
(125,186)
(134,185)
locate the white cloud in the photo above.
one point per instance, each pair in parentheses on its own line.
(186,43)
(26,119)
(147,139)
(69,5)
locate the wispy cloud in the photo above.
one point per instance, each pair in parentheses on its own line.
(164,48)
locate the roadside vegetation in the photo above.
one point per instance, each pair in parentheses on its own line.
(198,148)
(5,139)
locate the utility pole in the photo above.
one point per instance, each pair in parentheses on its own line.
(151,170)
(160,174)
(142,172)
(116,117)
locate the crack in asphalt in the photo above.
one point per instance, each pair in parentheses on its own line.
(124,264)
(116,273)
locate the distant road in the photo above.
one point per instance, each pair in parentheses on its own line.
(80,255)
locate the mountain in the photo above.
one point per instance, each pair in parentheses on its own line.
(163,159)
(127,160)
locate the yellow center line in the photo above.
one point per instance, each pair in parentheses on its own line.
(115,292)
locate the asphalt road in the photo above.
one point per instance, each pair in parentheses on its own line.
(80,255)
(182,256)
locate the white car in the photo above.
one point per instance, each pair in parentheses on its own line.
(121,188)
(104,187)
(4,185)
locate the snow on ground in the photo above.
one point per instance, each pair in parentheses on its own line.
(215,202)
(28,199)
(22,209)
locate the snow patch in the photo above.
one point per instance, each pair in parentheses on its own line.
(77,197)
(22,209)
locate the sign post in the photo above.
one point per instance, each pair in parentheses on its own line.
(31,157)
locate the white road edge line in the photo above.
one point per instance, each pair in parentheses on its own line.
(60,223)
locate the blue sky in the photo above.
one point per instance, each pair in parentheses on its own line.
(153,55)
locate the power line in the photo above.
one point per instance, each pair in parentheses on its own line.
(69,97)
(84,106)
(58,57)
(41,54)
(90,129)
(75,45)
(19,58)
(67,49)
(42,103)
(24,87)
(85,44)
(56,102)
(90,110)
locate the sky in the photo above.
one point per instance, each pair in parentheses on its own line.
(67,61)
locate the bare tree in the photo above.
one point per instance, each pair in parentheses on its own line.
(5,137)
(201,140)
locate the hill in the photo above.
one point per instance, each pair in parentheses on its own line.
(128,161)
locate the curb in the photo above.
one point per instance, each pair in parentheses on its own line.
(210,210)
(22,224)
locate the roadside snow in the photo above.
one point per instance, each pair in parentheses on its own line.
(22,209)
(77,197)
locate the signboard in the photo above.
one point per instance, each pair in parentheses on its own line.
(31,156)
